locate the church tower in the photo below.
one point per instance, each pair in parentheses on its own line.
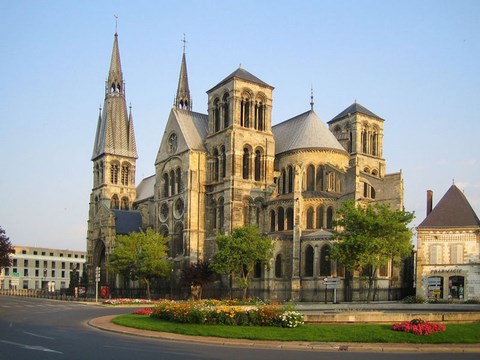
(114,156)
(183,100)
(240,152)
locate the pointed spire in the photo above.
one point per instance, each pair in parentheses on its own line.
(183,100)
(115,133)
(115,75)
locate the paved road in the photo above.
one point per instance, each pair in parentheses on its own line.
(40,329)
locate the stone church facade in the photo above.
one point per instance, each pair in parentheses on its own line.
(232,167)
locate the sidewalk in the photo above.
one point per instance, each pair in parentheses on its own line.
(104,323)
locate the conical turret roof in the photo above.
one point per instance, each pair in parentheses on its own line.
(305,131)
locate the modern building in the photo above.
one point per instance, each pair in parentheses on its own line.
(448,249)
(41,268)
(232,166)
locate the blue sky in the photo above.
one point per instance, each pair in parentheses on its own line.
(414,63)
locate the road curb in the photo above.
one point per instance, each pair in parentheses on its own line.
(104,323)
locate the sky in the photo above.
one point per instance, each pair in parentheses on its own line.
(413,63)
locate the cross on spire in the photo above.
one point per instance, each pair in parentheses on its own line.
(116,22)
(184,40)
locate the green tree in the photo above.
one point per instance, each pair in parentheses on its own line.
(6,249)
(141,256)
(238,253)
(370,236)
(197,275)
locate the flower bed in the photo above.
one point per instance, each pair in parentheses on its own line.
(144,311)
(127,302)
(418,327)
(212,312)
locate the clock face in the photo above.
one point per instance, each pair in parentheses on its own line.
(179,206)
(164,211)
(172,143)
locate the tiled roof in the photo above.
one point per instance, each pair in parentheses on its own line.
(303,132)
(453,210)
(127,221)
(244,75)
(352,109)
(146,189)
(194,127)
(318,234)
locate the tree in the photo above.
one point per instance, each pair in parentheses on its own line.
(370,236)
(6,249)
(141,256)
(197,275)
(238,253)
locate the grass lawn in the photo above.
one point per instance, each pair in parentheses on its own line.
(375,333)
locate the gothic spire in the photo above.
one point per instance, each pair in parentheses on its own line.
(183,100)
(115,129)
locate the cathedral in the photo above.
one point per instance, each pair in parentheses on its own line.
(231,167)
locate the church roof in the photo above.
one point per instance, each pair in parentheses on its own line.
(318,234)
(453,210)
(127,221)
(243,74)
(352,109)
(146,188)
(194,127)
(303,132)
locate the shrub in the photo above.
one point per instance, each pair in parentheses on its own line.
(144,311)
(291,319)
(418,327)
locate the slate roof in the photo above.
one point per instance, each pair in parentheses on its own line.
(303,132)
(453,210)
(319,234)
(127,221)
(194,127)
(244,75)
(146,188)
(352,109)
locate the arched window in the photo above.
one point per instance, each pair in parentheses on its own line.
(224,162)
(320,214)
(172,182)
(278,266)
(325,264)
(214,215)
(281,219)
(310,218)
(125,203)
(179,180)
(245,113)
(290,218)
(114,202)
(125,174)
(319,180)
(216,168)
(226,120)
(216,115)
(290,179)
(272,220)
(246,164)
(308,269)
(258,157)
(329,217)
(163,230)
(261,117)
(310,178)
(364,139)
(246,212)
(221,215)
(178,247)
(165,185)
(114,173)
(283,183)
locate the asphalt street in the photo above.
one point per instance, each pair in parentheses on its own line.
(32,328)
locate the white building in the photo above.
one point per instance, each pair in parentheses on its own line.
(448,256)
(41,268)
